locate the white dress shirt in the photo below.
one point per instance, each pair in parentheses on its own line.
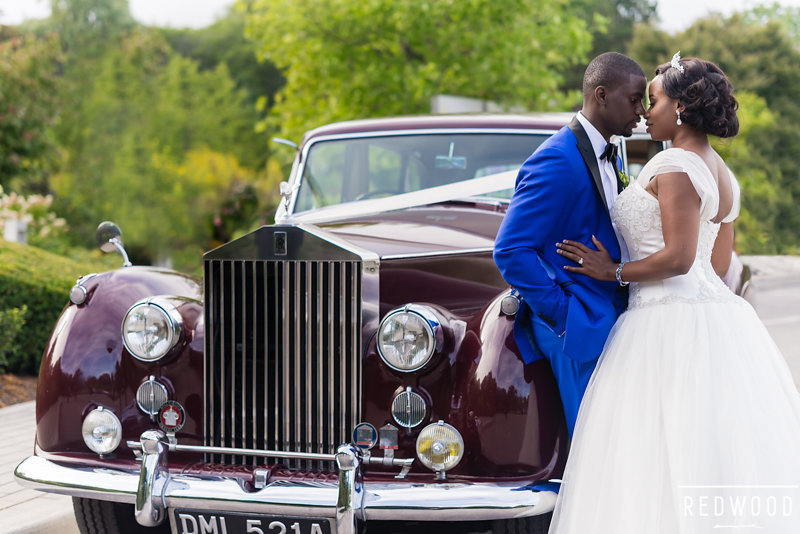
(607,176)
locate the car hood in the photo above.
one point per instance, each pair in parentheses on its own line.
(424,231)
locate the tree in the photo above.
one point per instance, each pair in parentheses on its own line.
(28,106)
(86,25)
(787,16)
(142,117)
(346,59)
(224,43)
(759,58)
(612,24)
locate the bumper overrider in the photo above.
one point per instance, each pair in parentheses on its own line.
(153,490)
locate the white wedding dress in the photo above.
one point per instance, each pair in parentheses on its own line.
(691,421)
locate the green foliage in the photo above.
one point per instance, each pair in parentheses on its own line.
(758,176)
(760,59)
(347,59)
(612,24)
(787,16)
(39,282)
(85,26)
(11,323)
(28,105)
(144,114)
(224,43)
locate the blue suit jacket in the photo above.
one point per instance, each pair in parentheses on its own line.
(559,196)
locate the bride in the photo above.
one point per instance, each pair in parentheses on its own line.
(691,421)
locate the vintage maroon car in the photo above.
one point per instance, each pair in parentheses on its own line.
(353,363)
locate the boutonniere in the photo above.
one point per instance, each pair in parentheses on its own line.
(625,179)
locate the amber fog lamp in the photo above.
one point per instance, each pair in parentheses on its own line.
(151,328)
(440,447)
(408,337)
(102,431)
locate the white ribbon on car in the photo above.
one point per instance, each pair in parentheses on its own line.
(475,187)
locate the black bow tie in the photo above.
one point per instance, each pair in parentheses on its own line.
(610,153)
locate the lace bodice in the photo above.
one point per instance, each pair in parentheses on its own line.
(638,217)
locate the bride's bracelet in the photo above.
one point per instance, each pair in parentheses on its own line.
(618,275)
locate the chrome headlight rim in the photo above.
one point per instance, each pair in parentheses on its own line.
(432,325)
(172,319)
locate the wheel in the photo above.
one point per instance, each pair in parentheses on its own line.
(537,524)
(104,517)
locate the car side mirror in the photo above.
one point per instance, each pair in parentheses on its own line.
(109,239)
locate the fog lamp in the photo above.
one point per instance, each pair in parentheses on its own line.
(151,328)
(102,431)
(408,337)
(440,447)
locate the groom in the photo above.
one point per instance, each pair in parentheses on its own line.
(565,191)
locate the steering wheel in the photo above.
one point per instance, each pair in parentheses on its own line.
(377,192)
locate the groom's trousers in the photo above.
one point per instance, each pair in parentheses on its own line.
(572,376)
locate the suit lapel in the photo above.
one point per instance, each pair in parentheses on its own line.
(589,157)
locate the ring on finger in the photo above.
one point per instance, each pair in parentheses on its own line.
(580,261)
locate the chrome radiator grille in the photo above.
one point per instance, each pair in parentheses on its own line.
(282,357)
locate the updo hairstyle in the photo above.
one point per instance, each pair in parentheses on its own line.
(706,94)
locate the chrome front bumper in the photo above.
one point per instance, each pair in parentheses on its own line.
(153,490)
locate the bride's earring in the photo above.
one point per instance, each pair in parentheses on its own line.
(678,113)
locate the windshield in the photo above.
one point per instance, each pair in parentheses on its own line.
(347,170)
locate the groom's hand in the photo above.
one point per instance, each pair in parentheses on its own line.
(595,263)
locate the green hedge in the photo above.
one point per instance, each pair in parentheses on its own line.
(34,288)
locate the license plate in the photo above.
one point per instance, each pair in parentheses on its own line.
(193,522)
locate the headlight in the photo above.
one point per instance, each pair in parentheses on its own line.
(440,447)
(102,431)
(408,337)
(151,328)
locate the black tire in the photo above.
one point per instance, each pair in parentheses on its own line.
(104,517)
(537,524)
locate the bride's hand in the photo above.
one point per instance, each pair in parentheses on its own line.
(594,263)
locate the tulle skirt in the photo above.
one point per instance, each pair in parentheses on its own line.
(690,424)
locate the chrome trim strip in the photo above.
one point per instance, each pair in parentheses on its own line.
(223,357)
(402,500)
(276,440)
(355,358)
(320,387)
(342,344)
(239,337)
(297,412)
(251,452)
(331,352)
(254,369)
(438,253)
(285,360)
(308,321)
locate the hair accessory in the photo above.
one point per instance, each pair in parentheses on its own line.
(676,62)
(678,113)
